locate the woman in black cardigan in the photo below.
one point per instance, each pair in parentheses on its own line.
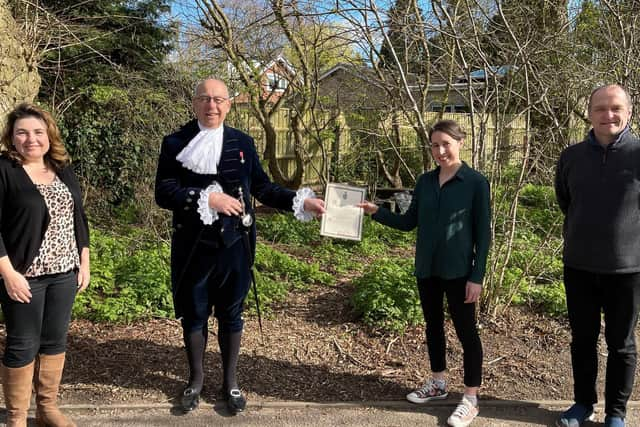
(44,261)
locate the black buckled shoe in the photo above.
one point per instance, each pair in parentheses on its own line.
(236,402)
(189,400)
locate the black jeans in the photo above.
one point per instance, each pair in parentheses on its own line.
(618,296)
(432,291)
(40,326)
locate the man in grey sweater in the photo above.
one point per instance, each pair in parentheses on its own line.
(598,190)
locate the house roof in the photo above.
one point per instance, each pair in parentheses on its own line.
(278,60)
(265,66)
(481,74)
(356,70)
(367,74)
(364,73)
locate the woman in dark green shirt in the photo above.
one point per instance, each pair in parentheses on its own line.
(451,208)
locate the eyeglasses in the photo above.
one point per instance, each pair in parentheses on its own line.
(207,99)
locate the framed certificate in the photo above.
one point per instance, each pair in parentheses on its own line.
(343,219)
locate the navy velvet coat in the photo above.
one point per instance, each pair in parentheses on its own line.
(178,190)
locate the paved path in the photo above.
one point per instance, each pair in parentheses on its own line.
(296,414)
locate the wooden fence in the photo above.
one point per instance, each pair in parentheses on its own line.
(368,131)
(285,150)
(508,136)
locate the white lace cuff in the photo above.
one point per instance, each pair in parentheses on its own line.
(207,214)
(298,204)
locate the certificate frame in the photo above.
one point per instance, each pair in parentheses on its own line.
(342,219)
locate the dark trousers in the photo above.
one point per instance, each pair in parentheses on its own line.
(219,279)
(40,326)
(618,296)
(432,291)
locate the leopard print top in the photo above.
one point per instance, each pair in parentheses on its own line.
(58,252)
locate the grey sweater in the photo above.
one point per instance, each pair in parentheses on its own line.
(598,190)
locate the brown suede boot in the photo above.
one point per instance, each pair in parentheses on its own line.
(16,385)
(47,382)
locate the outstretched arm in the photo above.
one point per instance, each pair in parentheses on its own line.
(368,207)
(314,205)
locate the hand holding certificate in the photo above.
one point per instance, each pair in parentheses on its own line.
(343,218)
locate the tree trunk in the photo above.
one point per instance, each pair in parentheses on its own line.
(19,79)
(423,140)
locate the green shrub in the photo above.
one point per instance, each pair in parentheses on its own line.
(106,253)
(375,232)
(537,256)
(377,239)
(130,280)
(285,228)
(270,291)
(537,195)
(337,256)
(304,238)
(539,209)
(514,279)
(549,298)
(282,267)
(277,273)
(386,295)
(534,267)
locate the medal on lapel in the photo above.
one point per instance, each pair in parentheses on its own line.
(241,157)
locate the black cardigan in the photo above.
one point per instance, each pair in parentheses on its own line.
(24,216)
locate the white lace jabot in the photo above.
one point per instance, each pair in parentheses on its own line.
(202,153)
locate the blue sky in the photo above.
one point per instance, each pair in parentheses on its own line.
(184,10)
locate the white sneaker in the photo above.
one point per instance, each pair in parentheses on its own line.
(429,391)
(464,413)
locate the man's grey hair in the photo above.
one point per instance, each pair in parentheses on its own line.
(604,86)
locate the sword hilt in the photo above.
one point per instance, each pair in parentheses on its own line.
(245,218)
